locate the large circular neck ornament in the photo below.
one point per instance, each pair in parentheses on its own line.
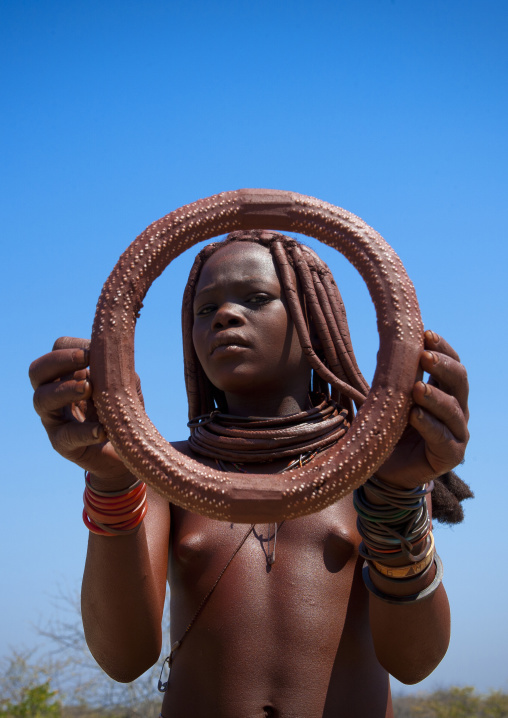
(254,498)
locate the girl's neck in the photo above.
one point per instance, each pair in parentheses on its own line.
(267,405)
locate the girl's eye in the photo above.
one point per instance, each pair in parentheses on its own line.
(259,299)
(207,309)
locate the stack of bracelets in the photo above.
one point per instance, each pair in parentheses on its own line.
(392,531)
(114,513)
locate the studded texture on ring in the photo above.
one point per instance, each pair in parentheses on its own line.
(248,498)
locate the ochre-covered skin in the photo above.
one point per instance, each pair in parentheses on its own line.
(298,637)
(253,497)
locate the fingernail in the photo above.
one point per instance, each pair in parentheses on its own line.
(97,431)
(428,389)
(432,356)
(81,386)
(80,356)
(431,336)
(419,414)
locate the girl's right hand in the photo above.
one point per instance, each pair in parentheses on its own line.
(63,400)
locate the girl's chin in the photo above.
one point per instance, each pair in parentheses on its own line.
(239,388)
(242,385)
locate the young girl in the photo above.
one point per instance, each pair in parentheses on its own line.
(266,620)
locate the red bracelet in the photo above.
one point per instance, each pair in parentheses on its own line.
(113,508)
(113,517)
(114,513)
(124,529)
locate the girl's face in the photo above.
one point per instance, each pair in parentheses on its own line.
(243,335)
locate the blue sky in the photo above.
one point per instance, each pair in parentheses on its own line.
(115,113)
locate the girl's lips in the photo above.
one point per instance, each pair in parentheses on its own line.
(227,342)
(228,351)
(223,348)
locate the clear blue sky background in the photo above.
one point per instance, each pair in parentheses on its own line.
(115,113)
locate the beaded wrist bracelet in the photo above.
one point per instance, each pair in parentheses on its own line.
(409,570)
(114,513)
(399,528)
(413,598)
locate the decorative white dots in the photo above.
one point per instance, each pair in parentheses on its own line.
(379,422)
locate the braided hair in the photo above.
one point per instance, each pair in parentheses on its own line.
(316,307)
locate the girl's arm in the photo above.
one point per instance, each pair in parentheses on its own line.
(122,596)
(125,576)
(410,639)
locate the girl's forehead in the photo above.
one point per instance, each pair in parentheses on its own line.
(238,260)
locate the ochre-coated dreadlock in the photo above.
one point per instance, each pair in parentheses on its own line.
(313,300)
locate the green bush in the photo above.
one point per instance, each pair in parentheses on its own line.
(452,703)
(34,702)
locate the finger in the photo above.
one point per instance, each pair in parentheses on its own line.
(71,343)
(56,364)
(139,391)
(51,398)
(84,410)
(78,375)
(447,374)
(443,407)
(442,449)
(436,343)
(74,435)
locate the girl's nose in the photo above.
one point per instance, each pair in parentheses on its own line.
(228,315)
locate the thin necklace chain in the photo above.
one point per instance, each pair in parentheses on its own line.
(270,556)
(300,461)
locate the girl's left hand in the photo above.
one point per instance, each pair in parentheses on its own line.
(436,436)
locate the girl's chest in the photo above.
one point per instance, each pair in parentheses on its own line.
(322,542)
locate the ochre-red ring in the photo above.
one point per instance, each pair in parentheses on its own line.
(248,498)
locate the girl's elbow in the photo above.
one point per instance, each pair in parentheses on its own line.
(125,669)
